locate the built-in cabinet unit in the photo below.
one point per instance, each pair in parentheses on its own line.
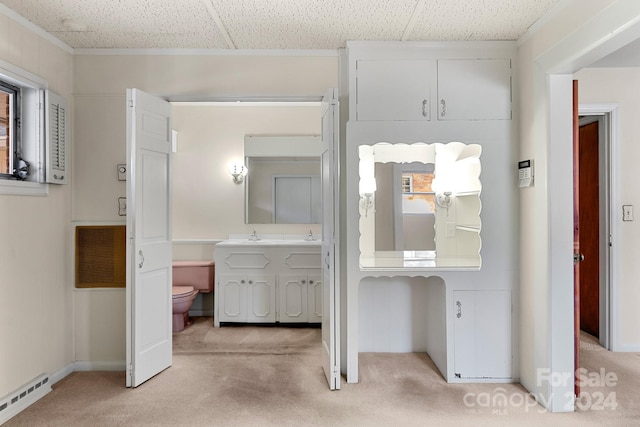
(247,298)
(482,334)
(430,92)
(267,282)
(424,90)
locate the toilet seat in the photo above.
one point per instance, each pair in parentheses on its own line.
(182,291)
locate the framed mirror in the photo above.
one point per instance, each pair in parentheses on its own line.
(420,205)
(282,185)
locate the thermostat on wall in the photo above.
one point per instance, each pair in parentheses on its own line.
(525,173)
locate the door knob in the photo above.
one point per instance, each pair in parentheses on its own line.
(578,258)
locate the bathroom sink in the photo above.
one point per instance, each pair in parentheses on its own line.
(270,242)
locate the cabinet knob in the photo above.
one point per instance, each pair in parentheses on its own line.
(251,282)
(242,281)
(304,281)
(459,311)
(424,108)
(311,282)
(443,103)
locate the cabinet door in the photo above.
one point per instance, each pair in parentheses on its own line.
(232,293)
(292,298)
(261,299)
(314,298)
(393,90)
(482,334)
(474,89)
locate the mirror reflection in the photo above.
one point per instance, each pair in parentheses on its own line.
(420,205)
(404,199)
(282,185)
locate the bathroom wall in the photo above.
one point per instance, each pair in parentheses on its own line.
(208,205)
(36,313)
(210,138)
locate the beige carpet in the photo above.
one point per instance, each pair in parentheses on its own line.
(268,376)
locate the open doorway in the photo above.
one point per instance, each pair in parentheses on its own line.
(211,136)
(597,144)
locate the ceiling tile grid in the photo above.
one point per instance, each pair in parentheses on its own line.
(275,24)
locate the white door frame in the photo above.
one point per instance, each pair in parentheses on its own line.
(607,115)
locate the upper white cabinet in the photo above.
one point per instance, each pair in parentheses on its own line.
(474,89)
(432,90)
(393,89)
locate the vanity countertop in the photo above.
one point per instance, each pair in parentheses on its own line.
(271,240)
(416,260)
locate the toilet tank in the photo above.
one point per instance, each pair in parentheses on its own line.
(199,274)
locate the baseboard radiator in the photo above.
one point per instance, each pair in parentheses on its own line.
(24,396)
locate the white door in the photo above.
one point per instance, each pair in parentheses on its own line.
(330,229)
(149,320)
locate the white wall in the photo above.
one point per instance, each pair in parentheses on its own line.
(577,34)
(207,203)
(621,86)
(35,303)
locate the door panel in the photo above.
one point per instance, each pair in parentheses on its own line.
(149,248)
(330,227)
(589,229)
(576,239)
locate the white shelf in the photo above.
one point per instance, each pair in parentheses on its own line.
(472,228)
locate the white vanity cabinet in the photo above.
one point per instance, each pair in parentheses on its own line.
(424,90)
(299,298)
(482,334)
(267,282)
(247,298)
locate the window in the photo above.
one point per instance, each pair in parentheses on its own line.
(9,128)
(417,191)
(31,136)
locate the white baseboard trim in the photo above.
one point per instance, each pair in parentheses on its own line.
(88,365)
(627,348)
(62,373)
(17,401)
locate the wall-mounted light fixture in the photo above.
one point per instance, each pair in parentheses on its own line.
(444,199)
(238,171)
(367,191)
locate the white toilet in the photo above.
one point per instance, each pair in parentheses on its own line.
(189,278)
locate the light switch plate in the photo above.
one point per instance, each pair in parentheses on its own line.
(451,229)
(627,212)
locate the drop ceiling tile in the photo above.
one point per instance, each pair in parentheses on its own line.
(277,24)
(478,20)
(312,24)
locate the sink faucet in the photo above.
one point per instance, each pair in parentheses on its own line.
(254,236)
(310,236)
